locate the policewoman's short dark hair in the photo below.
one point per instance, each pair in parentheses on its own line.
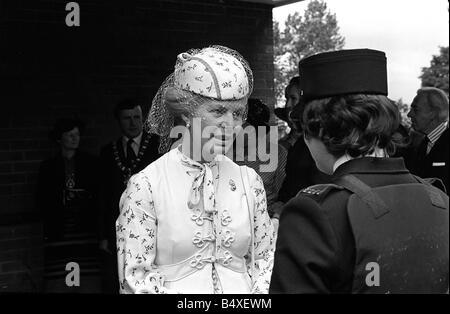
(347,107)
(354,124)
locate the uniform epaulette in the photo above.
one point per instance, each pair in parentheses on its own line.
(320,190)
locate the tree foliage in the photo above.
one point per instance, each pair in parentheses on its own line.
(315,31)
(404,109)
(436,75)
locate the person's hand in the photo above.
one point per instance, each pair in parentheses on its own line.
(103,245)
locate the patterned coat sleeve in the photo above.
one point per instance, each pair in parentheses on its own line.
(136,230)
(264,244)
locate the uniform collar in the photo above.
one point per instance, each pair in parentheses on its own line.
(378,152)
(371,165)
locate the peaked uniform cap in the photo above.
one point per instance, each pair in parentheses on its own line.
(355,71)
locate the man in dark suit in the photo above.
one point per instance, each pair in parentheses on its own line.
(129,154)
(301,170)
(429,116)
(376,228)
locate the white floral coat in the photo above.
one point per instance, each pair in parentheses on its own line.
(185,227)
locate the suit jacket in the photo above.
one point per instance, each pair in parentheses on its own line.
(50,187)
(316,249)
(435,163)
(114,175)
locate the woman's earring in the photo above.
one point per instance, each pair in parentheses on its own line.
(188,125)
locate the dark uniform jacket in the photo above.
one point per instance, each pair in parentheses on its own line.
(114,178)
(316,250)
(435,163)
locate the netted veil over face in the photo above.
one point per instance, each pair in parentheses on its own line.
(215,73)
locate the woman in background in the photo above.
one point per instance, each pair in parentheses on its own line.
(66,196)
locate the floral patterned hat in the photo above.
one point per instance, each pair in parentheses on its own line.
(214,73)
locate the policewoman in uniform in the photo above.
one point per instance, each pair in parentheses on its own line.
(376,228)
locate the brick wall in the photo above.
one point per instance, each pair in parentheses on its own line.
(123,49)
(21,257)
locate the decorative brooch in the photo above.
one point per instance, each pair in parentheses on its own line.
(232,185)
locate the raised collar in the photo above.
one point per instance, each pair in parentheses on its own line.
(371,165)
(178,154)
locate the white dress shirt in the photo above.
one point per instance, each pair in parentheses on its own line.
(135,145)
(378,152)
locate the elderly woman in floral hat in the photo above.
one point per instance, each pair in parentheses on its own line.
(193,221)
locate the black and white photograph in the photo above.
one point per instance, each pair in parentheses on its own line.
(242,148)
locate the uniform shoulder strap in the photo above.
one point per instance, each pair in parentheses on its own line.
(434,194)
(318,192)
(365,193)
(431,182)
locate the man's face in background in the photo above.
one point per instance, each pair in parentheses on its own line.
(421,115)
(130,122)
(292,95)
